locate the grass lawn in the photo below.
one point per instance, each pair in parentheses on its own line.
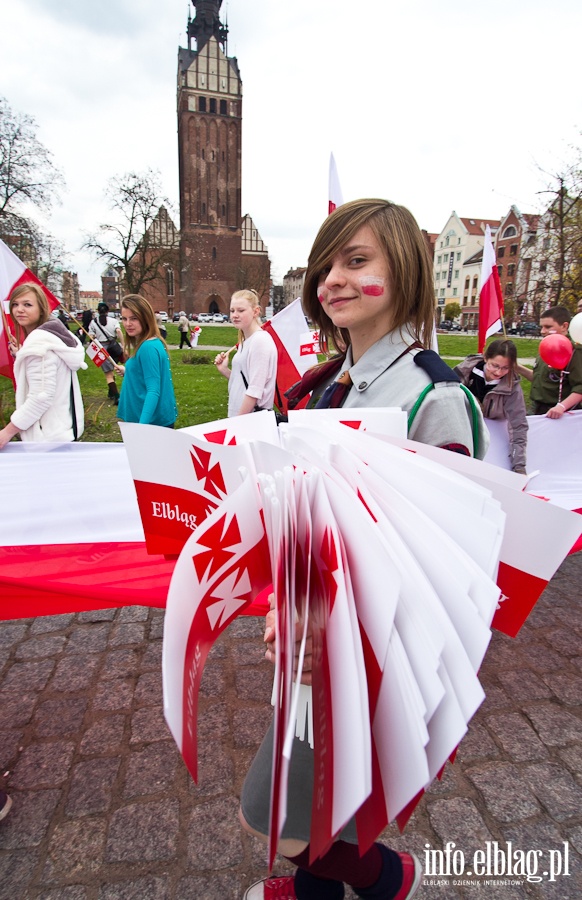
(201,392)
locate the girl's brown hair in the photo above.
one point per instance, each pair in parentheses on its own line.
(141,308)
(30,287)
(508,350)
(409,263)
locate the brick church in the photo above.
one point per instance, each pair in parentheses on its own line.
(221,250)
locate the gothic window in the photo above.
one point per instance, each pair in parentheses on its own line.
(214,253)
(212,104)
(201,104)
(223,107)
(170,281)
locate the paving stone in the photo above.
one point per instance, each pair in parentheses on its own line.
(89,638)
(215,770)
(214,835)
(114,693)
(575,838)
(152,658)
(96,615)
(216,887)
(517,737)
(506,796)
(556,789)
(572,758)
(120,663)
(523,684)
(152,770)
(214,681)
(142,889)
(148,691)
(143,831)
(75,851)
(11,633)
(16,870)
(43,624)
(249,653)
(157,629)
(28,676)
(91,787)
(17,709)
(251,725)
(43,765)
(247,627)
(565,641)
(567,688)
(41,646)
(213,721)
(72,673)
(458,820)
(68,892)
(29,819)
(477,744)
(542,659)
(555,726)
(255,682)
(130,633)
(148,724)
(60,717)
(10,742)
(104,736)
(132,614)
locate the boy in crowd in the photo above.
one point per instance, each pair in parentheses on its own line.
(545,389)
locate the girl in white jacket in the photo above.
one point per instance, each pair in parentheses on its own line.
(49,406)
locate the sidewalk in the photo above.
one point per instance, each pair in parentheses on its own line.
(104,809)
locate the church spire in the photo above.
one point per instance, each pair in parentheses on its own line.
(207,24)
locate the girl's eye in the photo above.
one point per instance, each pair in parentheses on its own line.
(357,260)
(324,273)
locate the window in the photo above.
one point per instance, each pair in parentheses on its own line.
(438,276)
(456,273)
(214,253)
(447,242)
(458,257)
(510,270)
(467,283)
(543,266)
(546,243)
(513,250)
(500,271)
(475,282)
(204,209)
(509,289)
(439,258)
(170,281)
(510,231)
(454,292)
(442,292)
(223,208)
(201,104)
(501,253)
(212,104)
(445,256)
(223,107)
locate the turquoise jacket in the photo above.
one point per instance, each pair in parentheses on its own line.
(147,393)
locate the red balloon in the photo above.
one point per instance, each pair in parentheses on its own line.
(556,350)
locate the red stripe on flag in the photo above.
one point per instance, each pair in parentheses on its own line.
(520,590)
(287,373)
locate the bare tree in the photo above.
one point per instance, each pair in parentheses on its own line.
(557,255)
(27,172)
(138,239)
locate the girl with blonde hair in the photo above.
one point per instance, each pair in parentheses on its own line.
(253,373)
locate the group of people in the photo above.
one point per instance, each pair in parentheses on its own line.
(369,291)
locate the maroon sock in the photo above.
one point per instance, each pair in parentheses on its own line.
(343,862)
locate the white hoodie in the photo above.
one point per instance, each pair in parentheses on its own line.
(45,367)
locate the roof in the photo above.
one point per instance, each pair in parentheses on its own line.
(477,226)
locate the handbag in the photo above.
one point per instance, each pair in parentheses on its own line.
(114,348)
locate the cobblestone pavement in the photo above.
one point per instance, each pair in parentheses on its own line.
(104,809)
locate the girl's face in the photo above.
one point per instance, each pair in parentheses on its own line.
(355,290)
(496,367)
(131,323)
(26,311)
(242,313)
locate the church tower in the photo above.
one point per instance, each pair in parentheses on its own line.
(209,147)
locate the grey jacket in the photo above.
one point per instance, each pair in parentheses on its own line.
(504,401)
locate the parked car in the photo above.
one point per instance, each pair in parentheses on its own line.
(529,329)
(204,317)
(218,317)
(447,325)
(176,317)
(163,316)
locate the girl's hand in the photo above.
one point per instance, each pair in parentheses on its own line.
(221,363)
(270,639)
(120,370)
(12,345)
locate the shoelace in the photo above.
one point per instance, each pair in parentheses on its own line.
(280,888)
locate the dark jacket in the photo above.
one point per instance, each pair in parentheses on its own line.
(504,401)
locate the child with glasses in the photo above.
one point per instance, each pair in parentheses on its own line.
(492,378)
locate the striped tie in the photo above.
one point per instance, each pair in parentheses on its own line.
(334,395)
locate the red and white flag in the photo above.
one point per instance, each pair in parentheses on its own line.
(287,329)
(335,191)
(96,353)
(13,272)
(490,296)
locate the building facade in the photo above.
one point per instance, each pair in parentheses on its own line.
(514,244)
(210,167)
(460,239)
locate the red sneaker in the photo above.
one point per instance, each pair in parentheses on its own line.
(411,875)
(272,889)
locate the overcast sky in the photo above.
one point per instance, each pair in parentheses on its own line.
(436,105)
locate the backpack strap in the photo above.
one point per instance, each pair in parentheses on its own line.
(439,372)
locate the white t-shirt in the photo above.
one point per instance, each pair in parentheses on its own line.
(257,360)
